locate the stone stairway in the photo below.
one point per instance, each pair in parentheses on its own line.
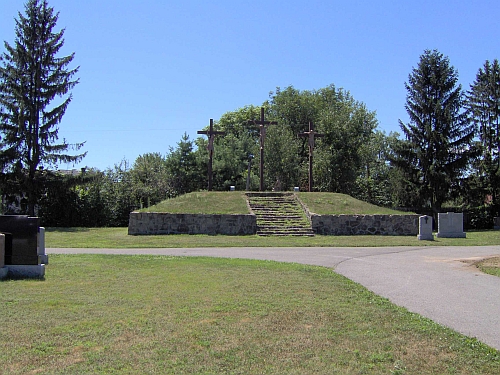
(279,214)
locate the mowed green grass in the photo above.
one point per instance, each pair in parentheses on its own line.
(118,238)
(102,314)
(338,204)
(204,202)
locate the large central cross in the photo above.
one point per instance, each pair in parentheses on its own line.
(262,125)
(211,136)
(311,134)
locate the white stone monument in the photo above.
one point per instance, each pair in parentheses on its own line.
(425,228)
(3,270)
(451,225)
(43,258)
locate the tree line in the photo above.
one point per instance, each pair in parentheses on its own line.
(447,155)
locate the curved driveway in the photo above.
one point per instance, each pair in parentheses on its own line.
(437,282)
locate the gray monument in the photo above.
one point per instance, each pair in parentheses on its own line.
(451,225)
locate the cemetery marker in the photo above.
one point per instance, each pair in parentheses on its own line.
(211,136)
(311,134)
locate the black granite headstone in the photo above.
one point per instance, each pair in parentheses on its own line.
(21,239)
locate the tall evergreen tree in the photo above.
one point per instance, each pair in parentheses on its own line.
(31,77)
(484,109)
(438,136)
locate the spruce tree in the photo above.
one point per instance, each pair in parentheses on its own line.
(435,150)
(31,77)
(484,109)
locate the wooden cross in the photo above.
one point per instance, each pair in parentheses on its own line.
(262,125)
(311,134)
(211,136)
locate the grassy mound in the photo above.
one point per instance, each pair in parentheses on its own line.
(223,202)
(342,204)
(204,202)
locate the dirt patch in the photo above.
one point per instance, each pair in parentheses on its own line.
(491,261)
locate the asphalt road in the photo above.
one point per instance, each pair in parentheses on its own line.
(437,282)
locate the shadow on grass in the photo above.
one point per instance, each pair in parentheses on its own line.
(67,230)
(20,278)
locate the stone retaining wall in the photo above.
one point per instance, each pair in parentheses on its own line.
(342,225)
(150,223)
(165,223)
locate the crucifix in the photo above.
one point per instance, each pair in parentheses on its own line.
(262,125)
(311,134)
(211,136)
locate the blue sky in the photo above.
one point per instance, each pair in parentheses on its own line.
(151,70)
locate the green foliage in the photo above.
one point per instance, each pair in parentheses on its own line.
(185,168)
(60,205)
(435,152)
(374,183)
(236,148)
(117,191)
(91,199)
(31,77)
(295,109)
(484,109)
(346,124)
(231,157)
(151,179)
(282,160)
(237,122)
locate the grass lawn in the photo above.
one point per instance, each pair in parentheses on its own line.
(118,238)
(204,202)
(101,314)
(336,204)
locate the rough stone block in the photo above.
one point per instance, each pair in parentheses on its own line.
(341,225)
(26,271)
(165,223)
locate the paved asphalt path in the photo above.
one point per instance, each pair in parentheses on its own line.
(437,282)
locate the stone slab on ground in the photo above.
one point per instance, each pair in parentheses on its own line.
(26,271)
